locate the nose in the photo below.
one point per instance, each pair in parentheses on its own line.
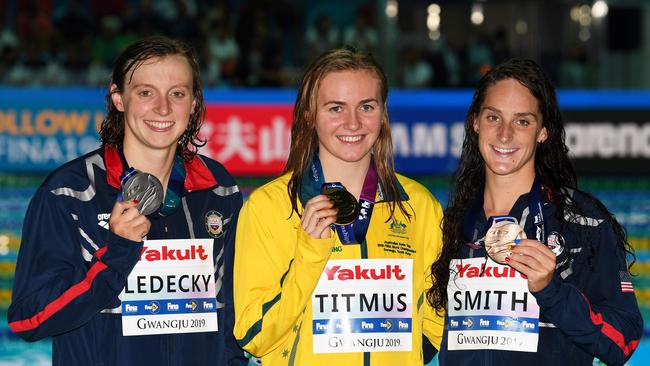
(352,121)
(163,106)
(505,132)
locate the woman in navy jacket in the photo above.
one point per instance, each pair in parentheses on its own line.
(82,238)
(533,271)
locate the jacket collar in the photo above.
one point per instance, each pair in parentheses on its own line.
(197,175)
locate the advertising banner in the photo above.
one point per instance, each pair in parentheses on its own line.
(249,131)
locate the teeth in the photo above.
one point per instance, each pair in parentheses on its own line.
(160,124)
(504,150)
(350,138)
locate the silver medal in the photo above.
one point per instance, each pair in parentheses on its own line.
(145,188)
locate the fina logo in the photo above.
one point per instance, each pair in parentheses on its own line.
(130,308)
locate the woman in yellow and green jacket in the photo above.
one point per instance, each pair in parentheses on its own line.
(332,258)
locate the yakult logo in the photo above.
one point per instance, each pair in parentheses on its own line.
(194,252)
(358,273)
(471,271)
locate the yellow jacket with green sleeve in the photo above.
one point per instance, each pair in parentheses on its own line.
(277,267)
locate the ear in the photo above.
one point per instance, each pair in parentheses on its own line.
(116,97)
(193,105)
(542,135)
(475,125)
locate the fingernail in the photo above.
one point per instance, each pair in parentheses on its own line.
(136,201)
(517,241)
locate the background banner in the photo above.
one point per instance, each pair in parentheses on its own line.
(249,131)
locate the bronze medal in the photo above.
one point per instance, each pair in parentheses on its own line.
(500,238)
(145,188)
(344,201)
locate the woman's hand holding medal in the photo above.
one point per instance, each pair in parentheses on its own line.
(127,221)
(317,217)
(506,243)
(535,260)
(141,195)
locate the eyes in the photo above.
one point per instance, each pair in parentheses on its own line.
(175,93)
(523,122)
(364,108)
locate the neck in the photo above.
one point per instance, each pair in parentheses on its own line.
(501,192)
(158,162)
(350,174)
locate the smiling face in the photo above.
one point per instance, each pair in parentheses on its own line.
(509,126)
(349,111)
(157,101)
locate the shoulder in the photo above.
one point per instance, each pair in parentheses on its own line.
(274,190)
(75,173)
(269,200)
(415,190)
(218,170)
(80,177)
(584,206)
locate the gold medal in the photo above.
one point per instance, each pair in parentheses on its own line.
(500,238)
(344,201)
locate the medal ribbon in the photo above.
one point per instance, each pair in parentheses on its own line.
(534,209)
(354,233)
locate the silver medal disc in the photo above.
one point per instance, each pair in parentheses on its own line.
(145,188)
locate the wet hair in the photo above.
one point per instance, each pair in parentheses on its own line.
(112,128)
(552,166)
(304,139)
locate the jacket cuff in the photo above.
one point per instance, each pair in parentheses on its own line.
(121,254)
(314,250)
(549,294)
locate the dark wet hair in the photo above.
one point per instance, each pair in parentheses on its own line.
(112,128)
(552,166)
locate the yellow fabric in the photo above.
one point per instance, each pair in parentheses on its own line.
(277,266)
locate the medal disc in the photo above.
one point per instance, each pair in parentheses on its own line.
(145,188)
(500,238)
(344,201)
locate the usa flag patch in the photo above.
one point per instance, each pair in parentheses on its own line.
(626,281)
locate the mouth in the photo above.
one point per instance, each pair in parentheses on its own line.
(350,139)
(504,150)
(159,125)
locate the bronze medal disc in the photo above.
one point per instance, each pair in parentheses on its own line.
(499,239)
